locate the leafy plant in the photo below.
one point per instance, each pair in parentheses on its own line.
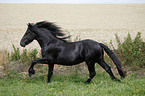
(131,52)
(15,55)
(24,56)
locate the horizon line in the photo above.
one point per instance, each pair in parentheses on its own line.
(62,3)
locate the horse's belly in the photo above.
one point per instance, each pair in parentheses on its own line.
(69,61)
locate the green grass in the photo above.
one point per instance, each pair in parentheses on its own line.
(14,84)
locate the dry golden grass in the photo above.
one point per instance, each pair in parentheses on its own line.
(3,57)
(3,61)
(97,21)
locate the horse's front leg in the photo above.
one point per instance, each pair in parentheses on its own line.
(41,60)
(50,72)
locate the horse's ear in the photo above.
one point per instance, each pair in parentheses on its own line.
(29,25)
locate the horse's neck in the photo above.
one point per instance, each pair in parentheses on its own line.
(44,37)
(44,40)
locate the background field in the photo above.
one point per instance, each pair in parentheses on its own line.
(97,22)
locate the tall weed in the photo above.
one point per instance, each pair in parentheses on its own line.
(25,56)
(131,52)
(19,61)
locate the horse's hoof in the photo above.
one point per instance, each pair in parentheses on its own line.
(117,80)
(86,83)
(30,74)
(48,82)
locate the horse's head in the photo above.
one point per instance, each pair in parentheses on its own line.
(29,36)
(41,31)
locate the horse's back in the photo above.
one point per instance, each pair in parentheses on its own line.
(91,45)
(92,49)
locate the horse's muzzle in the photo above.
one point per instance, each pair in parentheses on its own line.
(23,45)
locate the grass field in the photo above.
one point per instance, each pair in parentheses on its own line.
(70,85)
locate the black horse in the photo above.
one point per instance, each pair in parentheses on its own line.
(56,50)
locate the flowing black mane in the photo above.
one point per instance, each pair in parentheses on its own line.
(54,29)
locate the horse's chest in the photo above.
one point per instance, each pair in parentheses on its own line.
(51,53)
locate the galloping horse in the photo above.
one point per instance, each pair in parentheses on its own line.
(56,50)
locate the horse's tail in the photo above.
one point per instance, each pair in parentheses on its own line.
(114,59)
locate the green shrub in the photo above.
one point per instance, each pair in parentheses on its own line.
(19,61)
(24,56)
(15,55)
(131,52)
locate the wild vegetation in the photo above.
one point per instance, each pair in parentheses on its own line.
(131,52)
(14,78)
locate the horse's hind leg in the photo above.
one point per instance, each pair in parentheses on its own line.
(91,68)
(107,68)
